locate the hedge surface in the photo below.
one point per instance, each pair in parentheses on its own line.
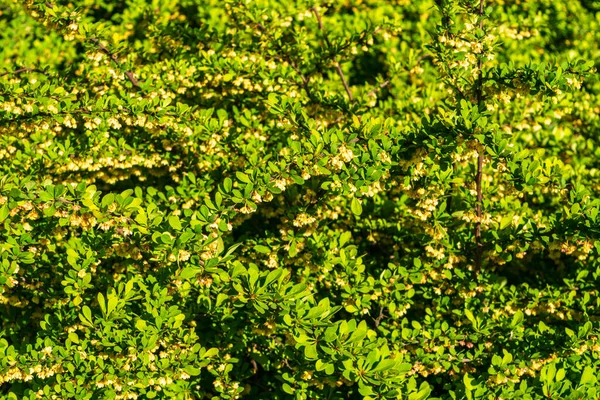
(264,199)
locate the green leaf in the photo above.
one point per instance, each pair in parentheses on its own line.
(385,365)
(227,185)
(192,371)
(210,352)
(102,303)
(588,377)
(140,324)
(113,301)
(174,222)
(73,337)
(287,388)
(189,272)
(262,249)
(517,319)
(86,316)
(468,385)
(570,333)
(272,276)
(141,218)
(330,369)
(421,395)
(221,297)
(470,316)
(310,352)
(4,211)
(87,312)
(108,200)
(242,177)
(505,221)
(355,206)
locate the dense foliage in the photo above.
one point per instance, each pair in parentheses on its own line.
(271,199)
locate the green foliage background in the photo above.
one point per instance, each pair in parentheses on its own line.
(272,199)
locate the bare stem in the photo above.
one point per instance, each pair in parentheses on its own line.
(286,57)
(114,58)
(480,154)
(333,57)
(452,190)
(478,178)
(22,70)
(378,88)
(377,320)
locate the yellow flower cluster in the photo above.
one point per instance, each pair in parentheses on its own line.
(39,371)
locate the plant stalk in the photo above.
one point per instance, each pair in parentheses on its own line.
(480,154)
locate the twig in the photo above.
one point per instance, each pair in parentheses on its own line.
(113,57)
(77,111)
(452,189)
(379,318)
(424,57)
(333,57)
(286,57)
(480,154)
(21,70)
(381,86)
(338,119)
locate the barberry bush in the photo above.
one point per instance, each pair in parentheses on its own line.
(264,199)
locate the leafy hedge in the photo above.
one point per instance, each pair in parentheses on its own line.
(272,199)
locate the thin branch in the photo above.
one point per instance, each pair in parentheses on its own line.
(378,88)
(478,188)
(424,57)
(81,111)
(254,366)
(379,317)
(452,190)
(22,70)
(286,57)
(333,57)
(114,58)
(480,154)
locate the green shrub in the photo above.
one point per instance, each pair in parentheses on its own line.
(291,199)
